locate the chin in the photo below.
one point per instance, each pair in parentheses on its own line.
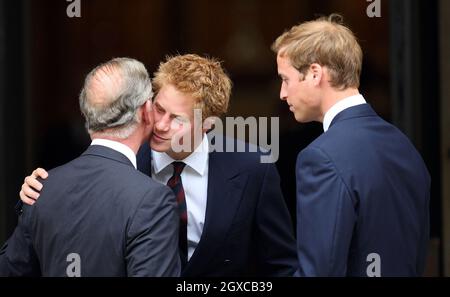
(301,119)
(158,147)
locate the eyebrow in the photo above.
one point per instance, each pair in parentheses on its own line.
(158,105)
(171,114)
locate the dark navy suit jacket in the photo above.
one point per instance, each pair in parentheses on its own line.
(363,200)
(119,222)
(248,230)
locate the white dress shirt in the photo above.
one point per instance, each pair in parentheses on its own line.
(195,183)
(117,146)
(340,106)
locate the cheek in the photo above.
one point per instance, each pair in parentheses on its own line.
(189,129)
(175,126)
(178,130)
(294,88)
(156,116)
(296,95)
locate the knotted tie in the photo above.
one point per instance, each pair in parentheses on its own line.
(176,185)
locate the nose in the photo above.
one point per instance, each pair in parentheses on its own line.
(162,123)
(283,93)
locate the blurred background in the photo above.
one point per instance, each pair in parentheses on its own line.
(47,47)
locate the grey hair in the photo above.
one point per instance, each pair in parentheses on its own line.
(117,115)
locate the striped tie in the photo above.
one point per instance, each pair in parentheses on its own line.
(176,185)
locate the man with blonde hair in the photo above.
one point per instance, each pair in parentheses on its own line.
(233,217)
(362,188)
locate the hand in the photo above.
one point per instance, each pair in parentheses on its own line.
(31,186)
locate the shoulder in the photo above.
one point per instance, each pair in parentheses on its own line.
(240,155)
(120,177)
(136,180)
(313,155)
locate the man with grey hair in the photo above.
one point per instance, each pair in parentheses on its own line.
(98,215)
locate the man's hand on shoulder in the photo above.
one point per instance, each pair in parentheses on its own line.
(31,186)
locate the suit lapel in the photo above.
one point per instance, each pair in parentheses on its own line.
(225,190)
(144,159)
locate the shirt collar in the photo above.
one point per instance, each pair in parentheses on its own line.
(198,160)
(117,146)
(340,106)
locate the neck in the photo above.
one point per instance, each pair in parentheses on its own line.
(133,142)
(333,96)
(179,155)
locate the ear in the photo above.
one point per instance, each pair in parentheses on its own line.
(147,114)
(317,73)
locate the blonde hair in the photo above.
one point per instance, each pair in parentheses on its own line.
(201,78)
(327,42)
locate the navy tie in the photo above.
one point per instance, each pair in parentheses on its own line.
(176,185)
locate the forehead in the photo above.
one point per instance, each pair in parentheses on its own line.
(174,101)
(284,65)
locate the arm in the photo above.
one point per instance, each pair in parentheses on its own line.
(17,256)
(276,241)
(31,186)
(325,216)
(152,238)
